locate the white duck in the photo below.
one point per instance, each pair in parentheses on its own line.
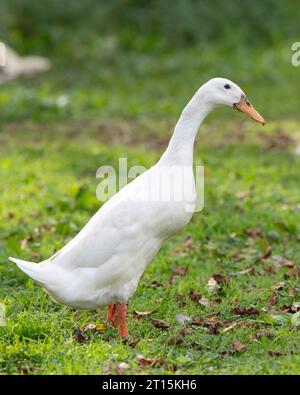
(103,264)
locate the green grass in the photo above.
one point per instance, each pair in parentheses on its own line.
(116,90)
(48,189)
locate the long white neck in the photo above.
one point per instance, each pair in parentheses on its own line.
(181,146)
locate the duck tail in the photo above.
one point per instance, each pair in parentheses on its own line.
(32,270)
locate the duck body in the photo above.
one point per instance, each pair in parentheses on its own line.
(104,262)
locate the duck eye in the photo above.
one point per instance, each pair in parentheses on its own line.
(227,86)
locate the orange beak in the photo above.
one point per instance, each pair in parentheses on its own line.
(245,106)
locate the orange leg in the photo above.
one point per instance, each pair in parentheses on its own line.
(121,312)
(111,314)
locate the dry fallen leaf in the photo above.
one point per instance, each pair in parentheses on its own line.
(80,337)
(250,270)
(120,367)
(186,331)
(175,339)
(269,270)
(178,338)
(278,287)
(220,278)
(155,284)
(141,314)
(194,295)
(152,362)
(205,322)
(238,346)
(27,369)
(90,327)
(245,310)
(273,299)
(131,341)
(184,248)
(267,253)
(228,328)
(293,272)
(278,260)
(206,302)
(264,332)
(254,232)
(25,241)
(212,285)
(180,271)
(160,323)
(275,353)
(293,292)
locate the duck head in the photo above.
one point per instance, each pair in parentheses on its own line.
(223,92)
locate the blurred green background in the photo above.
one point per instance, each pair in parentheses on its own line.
(142,58)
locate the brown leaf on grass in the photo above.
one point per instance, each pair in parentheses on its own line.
(288,263)
(185,247)
(178,338)
(267,253)
(80,337)
(254,232)
(273,299)
(155,284)
(293,292)
(194,295)
(120,367)
(175,339)
(269,270)
(237,346)
(293,308)
(228,328)
(281,261)
(25,241)
(276,353)
(212,285)
(154,362)
(142,314)
(180,271)
(220,278)
(278,287)
(264,332)
(293,272)
(93,327)
(27,369)
(117,368)
(213,329)
(198,297)
(88,327)
(131,341)
(245,310)
(9,215)
(249,271)
(160,323)
(181,303)
(234,301)
(206,302)
(186,331)
(207,323)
